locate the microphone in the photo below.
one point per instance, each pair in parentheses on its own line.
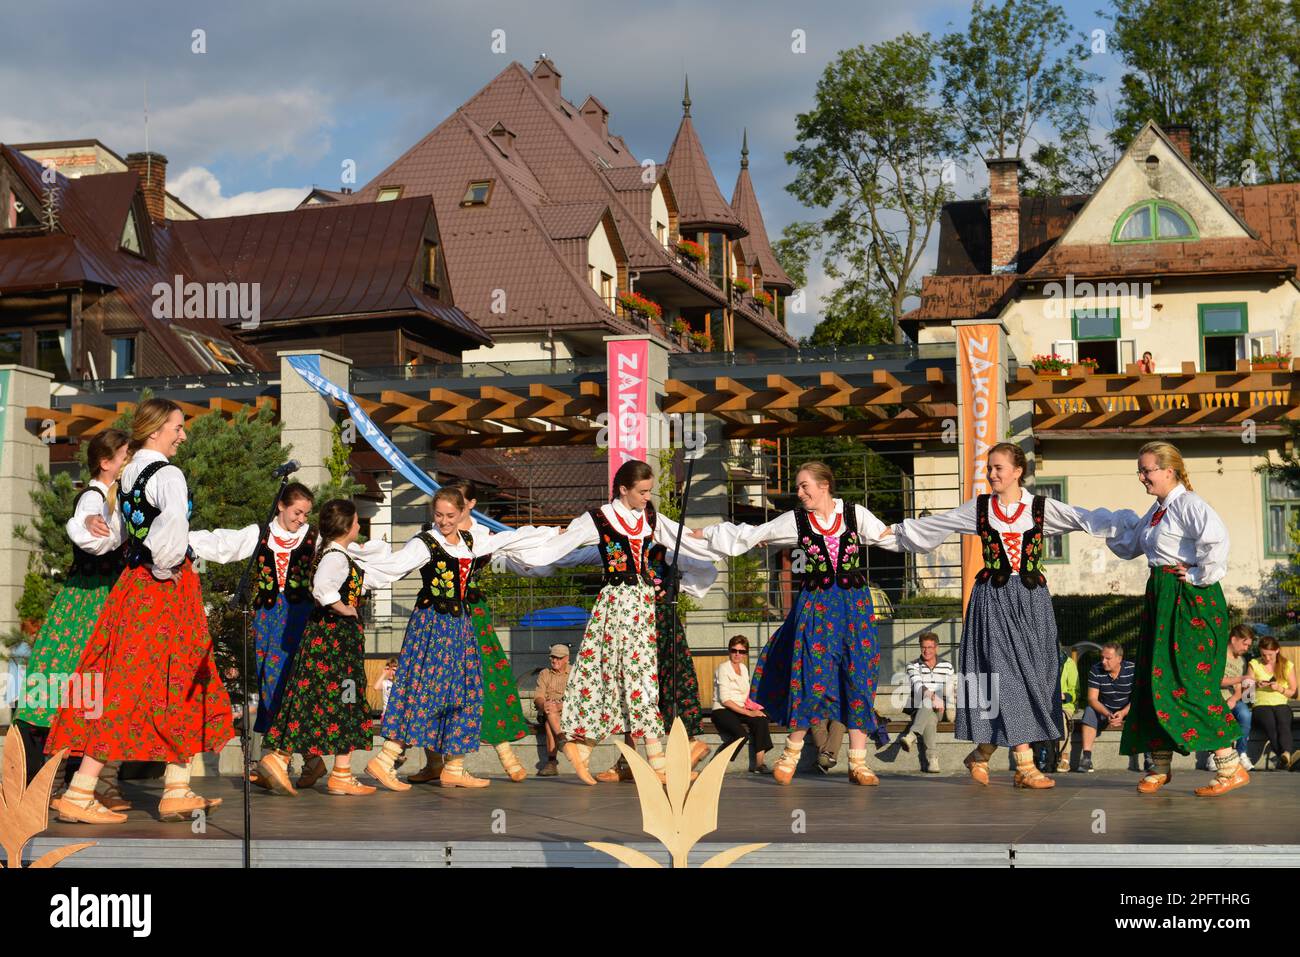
(287,469)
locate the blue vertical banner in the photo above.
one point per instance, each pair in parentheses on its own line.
(309,368)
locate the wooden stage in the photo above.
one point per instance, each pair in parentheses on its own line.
(1086,820)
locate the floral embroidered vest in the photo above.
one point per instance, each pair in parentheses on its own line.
(352,591)
(445,590)
(297,575)
(138,516)
(818,572)
(662,571)
(84,563)
(616,551)
(997,566)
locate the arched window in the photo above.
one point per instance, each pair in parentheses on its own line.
(1154,221)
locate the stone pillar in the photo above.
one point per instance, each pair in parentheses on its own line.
(20,454)
(307,416)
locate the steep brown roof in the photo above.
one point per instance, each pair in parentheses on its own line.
(962,297)
(571,220)
(755,247)
(328,260)
(86,252)
(1272,211)
(699,202)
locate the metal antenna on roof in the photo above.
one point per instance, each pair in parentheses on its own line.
(686,97)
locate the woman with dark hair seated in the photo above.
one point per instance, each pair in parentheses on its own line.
(734,715)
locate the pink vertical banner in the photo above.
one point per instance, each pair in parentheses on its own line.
(628,394)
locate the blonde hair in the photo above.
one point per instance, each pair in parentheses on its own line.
(150,416)
(819,471)
(105,446)
(1168,457)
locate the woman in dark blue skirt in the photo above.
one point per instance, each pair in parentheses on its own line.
(823,662)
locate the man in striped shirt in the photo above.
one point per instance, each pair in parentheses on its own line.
(1110,686)
(933,688)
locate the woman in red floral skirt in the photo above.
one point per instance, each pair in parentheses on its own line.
(162,697)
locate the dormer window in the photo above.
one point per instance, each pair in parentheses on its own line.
(131,235)
(478,193)
(1154,221)
(432,280)
(18,214)
(388,193)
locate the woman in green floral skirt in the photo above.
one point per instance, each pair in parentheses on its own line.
(1183,647)
(95,529)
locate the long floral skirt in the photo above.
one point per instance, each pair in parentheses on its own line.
(679,688)
(324,708)
(614,685)
(437,697)
(503,716)
(277,632)
(151,654)
(1182,650)
(1008,685)
(822,663)
(57,649)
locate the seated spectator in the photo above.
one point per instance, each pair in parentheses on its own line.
(1275,682)
(1147,364)
(1056,754)
(384,683)
(734,715)
(1236,682)
(828,736)
(1110,685)
(933,692)
(549,698)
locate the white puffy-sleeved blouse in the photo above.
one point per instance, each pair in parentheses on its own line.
(88,505)
(415,554)
(223,545)
(928,533)
(1180,530)
(703,574)
(332,569)
(582,532)
(729,538)
(168,536)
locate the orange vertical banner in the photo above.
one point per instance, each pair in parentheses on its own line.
(980,390)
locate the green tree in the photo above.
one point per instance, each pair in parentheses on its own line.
(1015,70)
(854,315)
(1229,69)
(341,484)
(871,154)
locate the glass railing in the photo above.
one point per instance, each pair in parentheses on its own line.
(816,354)
(482,370)
(222,380)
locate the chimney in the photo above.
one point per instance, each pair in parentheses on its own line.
(152,170)
(504,138)
(597,117)
(545,73)
(1181,136)
(1004,212)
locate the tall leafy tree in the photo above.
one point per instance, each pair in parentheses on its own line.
(871,154)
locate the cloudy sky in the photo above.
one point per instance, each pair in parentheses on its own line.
(287,91)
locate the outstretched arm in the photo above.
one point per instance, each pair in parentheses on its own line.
(927,534)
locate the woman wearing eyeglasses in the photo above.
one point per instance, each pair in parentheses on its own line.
(734,714)
(1183,645)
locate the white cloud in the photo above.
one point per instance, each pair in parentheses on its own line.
(201,191)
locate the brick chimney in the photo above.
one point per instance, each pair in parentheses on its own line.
(1181,136)
(152,170)
(545,73)
(1004,212)
(597,117)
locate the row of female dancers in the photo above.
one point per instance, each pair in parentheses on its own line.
(134,618)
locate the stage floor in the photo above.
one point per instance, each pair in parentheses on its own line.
(1086,819)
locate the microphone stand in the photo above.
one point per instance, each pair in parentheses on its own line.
(675,579)
(242,603)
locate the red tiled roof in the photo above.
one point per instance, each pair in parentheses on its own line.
(327,260)
(962,297)
(87,250)
(1206,257)
(755,247)
(571,220)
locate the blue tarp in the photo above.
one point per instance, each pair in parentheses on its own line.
(562,616)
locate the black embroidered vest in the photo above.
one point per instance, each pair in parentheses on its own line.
(297,576)
(441,575)
(818,573)
(662,571)
(616,550)
(351,592)
(997,567)
(84,563)
(138,516)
